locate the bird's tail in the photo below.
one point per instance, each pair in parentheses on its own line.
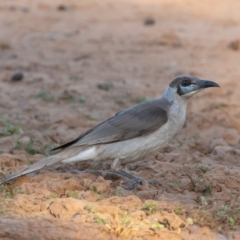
(32,168)
(48,161)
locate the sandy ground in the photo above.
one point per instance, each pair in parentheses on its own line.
(82,61)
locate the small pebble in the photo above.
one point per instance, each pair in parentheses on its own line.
(17,77)
(65,7)
(234,45)
(149,21)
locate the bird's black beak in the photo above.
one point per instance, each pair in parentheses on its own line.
(206,84)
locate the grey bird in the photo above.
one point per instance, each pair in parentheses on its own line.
(132,134)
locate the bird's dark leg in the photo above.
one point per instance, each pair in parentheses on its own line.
(136,180)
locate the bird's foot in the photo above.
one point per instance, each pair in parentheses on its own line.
(141,181)
(136,180)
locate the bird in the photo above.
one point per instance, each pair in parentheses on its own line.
(132,134)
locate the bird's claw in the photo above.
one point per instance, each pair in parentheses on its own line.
(140,181)
(136,181)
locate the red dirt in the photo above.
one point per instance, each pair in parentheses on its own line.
(65,49)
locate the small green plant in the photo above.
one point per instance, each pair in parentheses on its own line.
(52,196)
(167,190)
(136,205)
(95,167)
(150,208)
(208,189)
(204,169)
(30,149)
(230,214)
(120,99)
(141,100)
(34,147)
(93,188)
(93,118)
(178,210)
(9,129)
(5,187)
(45,96)
(99,219)
(72,98)
(98,196)
(125,218)
(231,220)
(78,100)
(156,226)
(220,213)
(3,210)
(105,86)
(199,180)
(118,192)
(176,183)
(89,208)
(180,144)
(203,201)
(19,144)
(72,194)
(10,193)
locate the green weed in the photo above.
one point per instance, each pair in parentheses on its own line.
(105,86)
(72,194)
(150,208)
(204,169)
(9,129)
(45,96)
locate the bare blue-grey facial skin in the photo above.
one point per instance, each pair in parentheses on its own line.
(192,85)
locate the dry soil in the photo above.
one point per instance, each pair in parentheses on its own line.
(67,65)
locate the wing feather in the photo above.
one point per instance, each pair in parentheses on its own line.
(133,122)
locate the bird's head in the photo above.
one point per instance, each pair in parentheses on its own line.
(187,86)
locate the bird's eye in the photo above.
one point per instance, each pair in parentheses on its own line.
(186,83)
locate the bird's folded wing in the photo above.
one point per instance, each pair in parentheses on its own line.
(139,120)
